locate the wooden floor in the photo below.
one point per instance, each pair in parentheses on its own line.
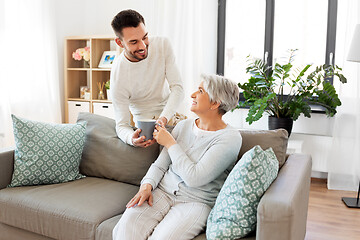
(328,216)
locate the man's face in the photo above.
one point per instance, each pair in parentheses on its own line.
(135,42)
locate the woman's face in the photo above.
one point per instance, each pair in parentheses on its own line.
(201,101)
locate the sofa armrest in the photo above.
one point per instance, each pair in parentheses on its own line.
(282,211)
(6,166)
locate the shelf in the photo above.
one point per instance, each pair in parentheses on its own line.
(103,37)
(88,69)
(78,99)
(78,69)
(101,69)
(77,75)
(83,100)
(101,101)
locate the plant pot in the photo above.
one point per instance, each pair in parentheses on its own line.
(276,123)
(108,95)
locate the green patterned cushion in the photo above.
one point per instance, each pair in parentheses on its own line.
(46,153)
(235,210)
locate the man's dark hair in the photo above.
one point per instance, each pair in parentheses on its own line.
(126,18)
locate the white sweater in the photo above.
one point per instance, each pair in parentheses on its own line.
(148,88)
(196,167)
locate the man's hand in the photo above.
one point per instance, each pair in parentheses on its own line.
(162,121)
(140,141)
(163,137)
(144,194)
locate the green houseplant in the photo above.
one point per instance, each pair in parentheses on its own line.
(285,92)
(107,87)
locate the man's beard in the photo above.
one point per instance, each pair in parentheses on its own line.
(133,54)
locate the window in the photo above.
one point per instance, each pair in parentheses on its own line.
(301,24)
(243,39)
(307,25)
(269,28)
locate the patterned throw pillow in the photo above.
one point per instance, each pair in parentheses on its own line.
(46,153)
(235,210)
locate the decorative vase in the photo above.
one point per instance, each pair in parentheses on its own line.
(276,123)
(101,95)
(108,94)
(86,64)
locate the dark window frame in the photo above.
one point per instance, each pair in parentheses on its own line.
(269,37)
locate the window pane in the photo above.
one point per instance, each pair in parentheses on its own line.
(348,17)
(301,24)
(245,33)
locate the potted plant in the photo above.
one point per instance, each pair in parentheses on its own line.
(284,92)
(107,87)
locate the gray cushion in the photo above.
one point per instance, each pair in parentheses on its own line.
(69,210)
(14,233)
(202,236)
(106,156)
(104,230)
(276,139)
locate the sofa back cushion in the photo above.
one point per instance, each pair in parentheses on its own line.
(276,139)
(106,156)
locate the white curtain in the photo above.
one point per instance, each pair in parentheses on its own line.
(29,79)
(191,27)
(344,162)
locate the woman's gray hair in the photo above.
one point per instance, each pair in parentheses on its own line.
(221,90)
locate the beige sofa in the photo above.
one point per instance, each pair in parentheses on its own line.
(90,207)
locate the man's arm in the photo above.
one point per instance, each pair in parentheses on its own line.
(122,119)
(173,77)
(120,101)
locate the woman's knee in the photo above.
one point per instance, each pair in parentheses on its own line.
(126,226)
(184,221)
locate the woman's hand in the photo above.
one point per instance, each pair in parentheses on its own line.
(144,194)
(163,137)
(162,121)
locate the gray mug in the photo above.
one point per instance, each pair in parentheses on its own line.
(147,127)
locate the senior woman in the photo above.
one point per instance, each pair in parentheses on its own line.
(181,186)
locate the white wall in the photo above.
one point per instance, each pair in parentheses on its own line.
(162,17)
(93,17)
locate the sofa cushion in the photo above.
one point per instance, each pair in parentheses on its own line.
(202,236)
(235,212)
(71,210)
(14,233)
(46,153)
(104,230)
(276,139)
(106,156)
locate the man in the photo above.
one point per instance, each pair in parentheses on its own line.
(144,78)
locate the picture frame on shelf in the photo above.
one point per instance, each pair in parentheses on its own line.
(107,59)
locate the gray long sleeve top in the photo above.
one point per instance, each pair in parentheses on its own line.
(196,167)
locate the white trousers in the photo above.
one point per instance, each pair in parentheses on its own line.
(168,218)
